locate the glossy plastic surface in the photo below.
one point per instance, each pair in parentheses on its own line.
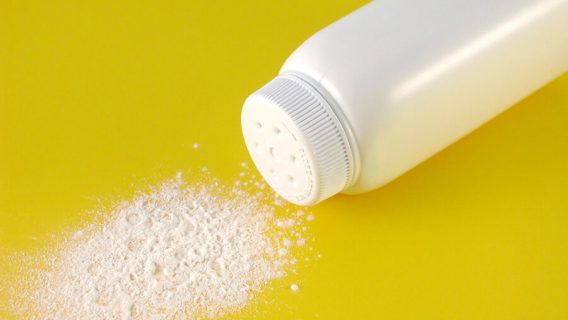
(413,76)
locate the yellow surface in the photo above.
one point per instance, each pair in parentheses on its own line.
(97,97)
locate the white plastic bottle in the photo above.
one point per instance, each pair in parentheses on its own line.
(384,88)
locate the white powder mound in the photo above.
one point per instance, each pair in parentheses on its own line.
(175,253)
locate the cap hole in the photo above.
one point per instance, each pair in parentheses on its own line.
(257,147)
(259,124)
(273,153)
(277,130)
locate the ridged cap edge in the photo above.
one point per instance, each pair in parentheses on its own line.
(319,131)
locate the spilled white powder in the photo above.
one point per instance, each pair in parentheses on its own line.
(180,251)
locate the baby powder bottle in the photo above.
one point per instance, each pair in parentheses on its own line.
(384,88)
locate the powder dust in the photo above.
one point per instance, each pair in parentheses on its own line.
(182,250)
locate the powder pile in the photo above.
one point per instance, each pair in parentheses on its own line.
(180,251)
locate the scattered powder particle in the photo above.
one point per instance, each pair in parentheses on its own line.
(195,145)
(295,288)
(285,223)
(180,251)
(279,202)
(79,234)
(310,217)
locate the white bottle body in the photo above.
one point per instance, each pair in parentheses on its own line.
(409,77)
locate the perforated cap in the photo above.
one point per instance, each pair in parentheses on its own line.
(296,141)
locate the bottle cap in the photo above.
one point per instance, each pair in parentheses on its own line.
(297,141)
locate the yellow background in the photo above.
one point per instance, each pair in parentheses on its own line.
(97,97)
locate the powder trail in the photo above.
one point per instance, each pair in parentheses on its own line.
(179,251)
